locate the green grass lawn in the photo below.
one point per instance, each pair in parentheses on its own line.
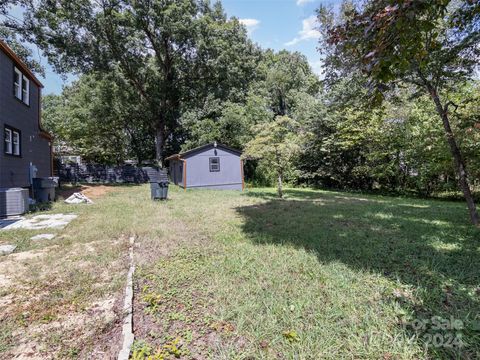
(230,275)
(316,275)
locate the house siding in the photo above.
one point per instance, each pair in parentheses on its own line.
(14,171)
(228,178)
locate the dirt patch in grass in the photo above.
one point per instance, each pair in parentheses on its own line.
(98,191)
(107,342)
(15,266)
(63,298)
(63,302)
(87,331)
(91,191)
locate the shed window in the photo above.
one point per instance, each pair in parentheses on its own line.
(21,86)
(12,142)
(214,164)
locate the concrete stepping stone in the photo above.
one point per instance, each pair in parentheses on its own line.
(43,237)
(7,249)
(9,221)
(53,221)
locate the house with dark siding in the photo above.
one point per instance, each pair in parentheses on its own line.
(27,149)
(212,166)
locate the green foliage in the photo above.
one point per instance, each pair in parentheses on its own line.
(218,86)
(143,351)
(233,124)
(25,53)
(373,37)
(276,143)
(399,146)
(285,74)
(100,118)
(173,55)
(430,46)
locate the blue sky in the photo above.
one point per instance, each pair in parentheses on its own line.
(281,24)
(275,24)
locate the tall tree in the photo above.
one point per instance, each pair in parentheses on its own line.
(170,51)
(229,122)
(432,45)
(277,144)
(286,73)
(101,118)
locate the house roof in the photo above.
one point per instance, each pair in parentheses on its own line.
(19,63)
(200,149)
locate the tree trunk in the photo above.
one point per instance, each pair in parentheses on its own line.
(283,106)
(280,185)
(159,142)
(457,157)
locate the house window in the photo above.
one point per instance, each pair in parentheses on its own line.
(16,143)
(12,142)
(214,164)
(17,82)
(25,90)
(8,141)
(21,86)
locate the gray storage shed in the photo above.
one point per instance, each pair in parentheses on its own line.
(212,166)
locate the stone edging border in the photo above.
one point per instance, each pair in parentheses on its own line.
(127,331)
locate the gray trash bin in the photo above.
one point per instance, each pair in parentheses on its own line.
(44,189)
(158,179)
(159,190)
(164,187)
(155,191)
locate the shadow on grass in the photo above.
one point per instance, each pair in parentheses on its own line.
(429,246)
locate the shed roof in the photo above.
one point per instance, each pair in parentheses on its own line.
(200,149)
(19,63)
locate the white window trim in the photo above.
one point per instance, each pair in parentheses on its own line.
(18,86)
(15,145)
(12,141)
(21,93)
(8,140)
(26,95)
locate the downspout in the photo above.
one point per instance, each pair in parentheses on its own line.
(51,157)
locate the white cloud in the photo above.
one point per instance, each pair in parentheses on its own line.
(250,24)
(308,31)
(303,2)
(317,67)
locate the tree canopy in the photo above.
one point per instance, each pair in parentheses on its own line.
(438,53)
(393,110)
(173,53)
(277,144)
